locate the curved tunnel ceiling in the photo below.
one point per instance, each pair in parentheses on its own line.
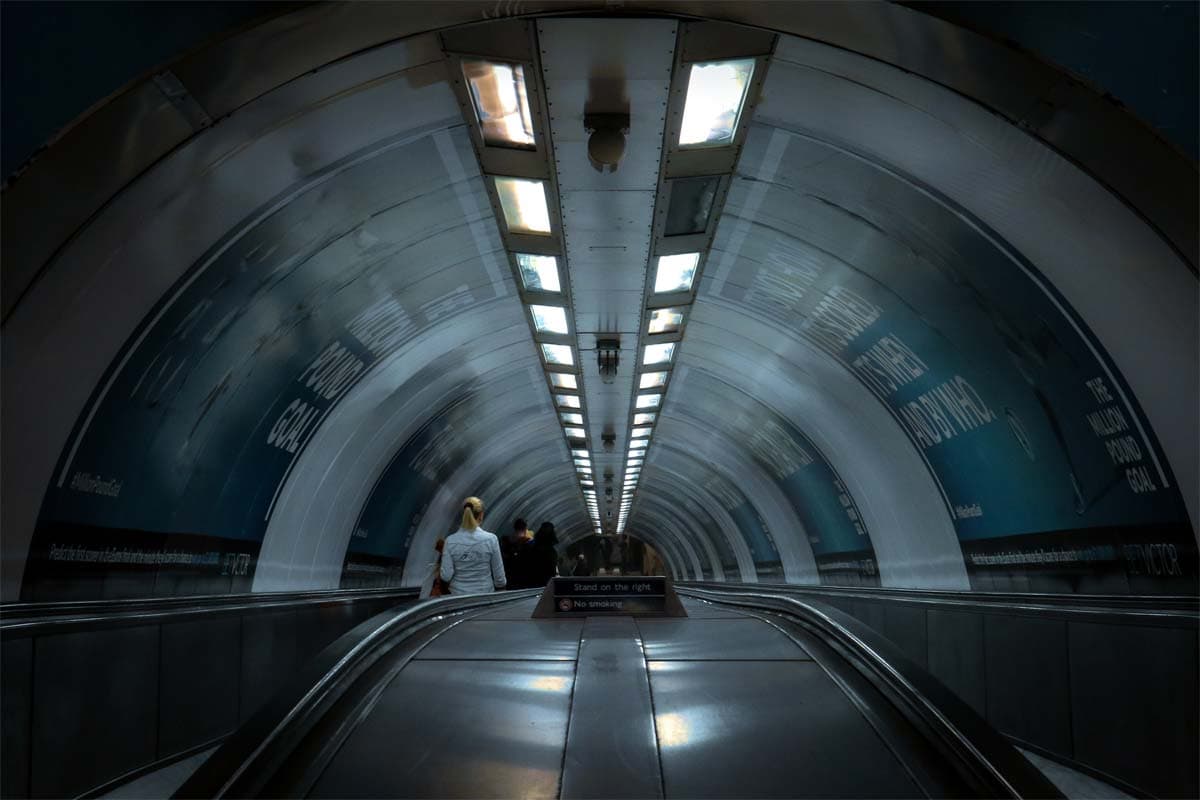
(934,339)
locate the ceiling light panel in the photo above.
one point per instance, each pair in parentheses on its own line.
(638,433)
(559,355)
(563,380)
(657,353)
(566,400)
(715,95)
(652,380)
(538,273)
(665,320)
(644,419)
(524,204)
(550,319)
(501,103)
(572,419)
(675,273)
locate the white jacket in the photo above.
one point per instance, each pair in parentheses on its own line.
(471,562)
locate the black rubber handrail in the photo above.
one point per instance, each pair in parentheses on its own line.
(250,759)
(987,761)
(1163,607)
(33,618)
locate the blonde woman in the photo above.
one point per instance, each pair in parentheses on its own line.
(471,561)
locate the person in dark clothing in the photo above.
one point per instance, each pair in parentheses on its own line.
(581,567)
(542,559)
(514,551)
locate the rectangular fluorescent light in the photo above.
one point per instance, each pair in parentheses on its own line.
(550,319)
(635,459)
(655,354)
(563,380)
(560,354)
(665,320)
(575,433)
(644,419)
(652,380)
(501,103)
(675,273)
(572,419)
(524,205)
(640,432)
(579,453)
(648,400)
(567,400)
(539,273)
(715,95)
(583,462)
(639,444)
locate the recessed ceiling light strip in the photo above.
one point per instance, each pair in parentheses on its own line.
(503,100)
(714,89)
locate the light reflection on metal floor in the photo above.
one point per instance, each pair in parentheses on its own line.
(717,705)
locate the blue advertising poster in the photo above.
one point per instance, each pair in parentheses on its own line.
(193,432)
(1022,420)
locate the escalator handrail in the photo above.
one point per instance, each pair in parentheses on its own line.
(1165,607)
(36,618)
(247,760)
(992,762)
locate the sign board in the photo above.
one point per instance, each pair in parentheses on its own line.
(617,595)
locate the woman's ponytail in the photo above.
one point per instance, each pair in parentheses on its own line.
(472,513)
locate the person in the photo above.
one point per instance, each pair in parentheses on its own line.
(471,562)
(581,566)
(514,551)
(542,559)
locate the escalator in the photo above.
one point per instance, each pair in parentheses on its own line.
(750,695)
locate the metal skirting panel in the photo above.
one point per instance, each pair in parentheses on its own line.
(1127,687)
(198,686)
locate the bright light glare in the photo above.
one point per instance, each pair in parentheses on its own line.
(652,380)
(644,419)
(665,320)
(567,400)
(655,354)
(675,273)
(550,319)
(524,204)
(563,380)
(539,273)
(501,102)
(715,95)
(573,419)
(640,432)
(575,433)
(561,354)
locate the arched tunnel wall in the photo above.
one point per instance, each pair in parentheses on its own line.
(262,328)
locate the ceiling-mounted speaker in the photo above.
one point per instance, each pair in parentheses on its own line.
(608,439)
(606,144)
(608,358)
